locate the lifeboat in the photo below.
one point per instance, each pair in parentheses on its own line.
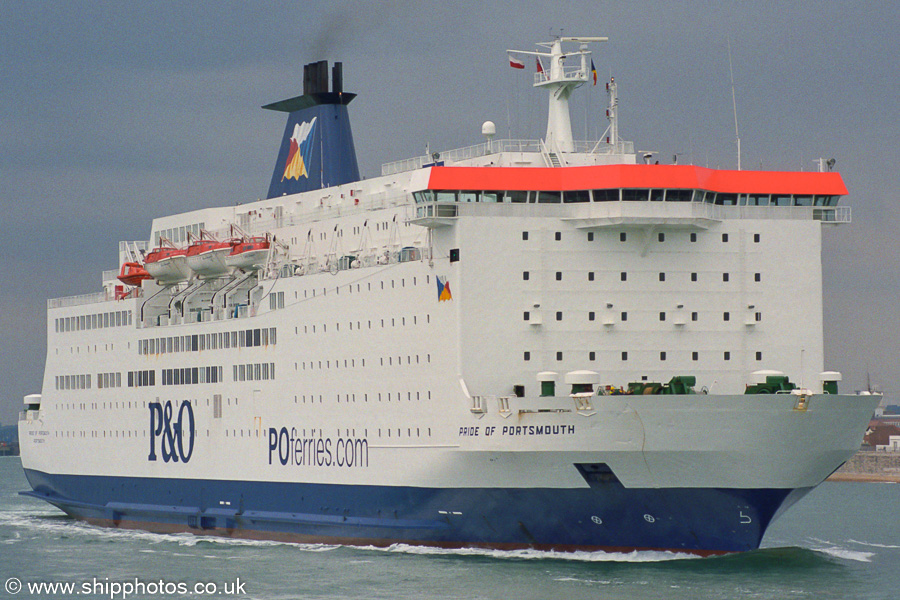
(206,257)
(249,254)
(133,273)
(167,265)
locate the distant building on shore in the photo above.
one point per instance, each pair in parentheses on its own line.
(882,436)
(9,440)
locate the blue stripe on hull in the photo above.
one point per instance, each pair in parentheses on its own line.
(605,516)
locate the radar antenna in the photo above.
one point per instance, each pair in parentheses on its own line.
(737,135)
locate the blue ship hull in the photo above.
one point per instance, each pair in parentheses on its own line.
(605,516)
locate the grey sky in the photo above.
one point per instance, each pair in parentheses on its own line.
(113,113)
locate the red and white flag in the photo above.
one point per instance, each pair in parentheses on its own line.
(540,68)
(515,63)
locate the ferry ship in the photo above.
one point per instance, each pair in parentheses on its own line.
(549,344)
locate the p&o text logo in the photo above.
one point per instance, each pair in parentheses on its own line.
(174,430)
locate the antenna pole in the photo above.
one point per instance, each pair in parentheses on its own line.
(737,135)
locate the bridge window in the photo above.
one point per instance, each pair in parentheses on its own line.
(726,199)
(468,196)
(781,199)
(634,195)
(492,196)
(577,196)
(758,200)
(545,197)
(826,200)
(803,200)
(517,197)
(445,196)
(679,195)
(606,195)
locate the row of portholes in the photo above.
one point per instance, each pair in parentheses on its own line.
(350,363)
(394,322)
(312,293)
(351,398)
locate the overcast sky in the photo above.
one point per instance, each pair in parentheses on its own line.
(114,113)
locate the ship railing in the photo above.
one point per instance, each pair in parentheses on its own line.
(573,72)
(108,295)
(321,211)
(352,261)
(441,213)
(138,245)
(449,157)
(79,300)
(833,214)
(458,154)
(436,210)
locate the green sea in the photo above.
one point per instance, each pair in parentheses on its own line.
(841,542)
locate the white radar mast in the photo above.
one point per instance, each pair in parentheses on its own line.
(560,80)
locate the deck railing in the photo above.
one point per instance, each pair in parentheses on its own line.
(448,157)
(78,300)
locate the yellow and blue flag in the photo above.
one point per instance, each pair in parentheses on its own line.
(443,288)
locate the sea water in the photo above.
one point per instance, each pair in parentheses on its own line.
(842,541)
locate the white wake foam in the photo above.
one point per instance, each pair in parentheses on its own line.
(874,544)
(838,551)
(599,556)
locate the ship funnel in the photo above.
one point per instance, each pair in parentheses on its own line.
(317,146)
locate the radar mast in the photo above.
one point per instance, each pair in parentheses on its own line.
(560,80)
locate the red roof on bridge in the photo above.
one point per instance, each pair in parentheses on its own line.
(636,176)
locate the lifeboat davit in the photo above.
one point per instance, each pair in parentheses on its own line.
(133,273)
(206,257)
(249,254)
(167,265)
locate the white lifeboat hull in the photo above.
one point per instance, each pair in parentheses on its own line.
(209,264)
(173,269)
(251,260)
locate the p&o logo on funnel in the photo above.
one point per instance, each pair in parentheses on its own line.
(299,151)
